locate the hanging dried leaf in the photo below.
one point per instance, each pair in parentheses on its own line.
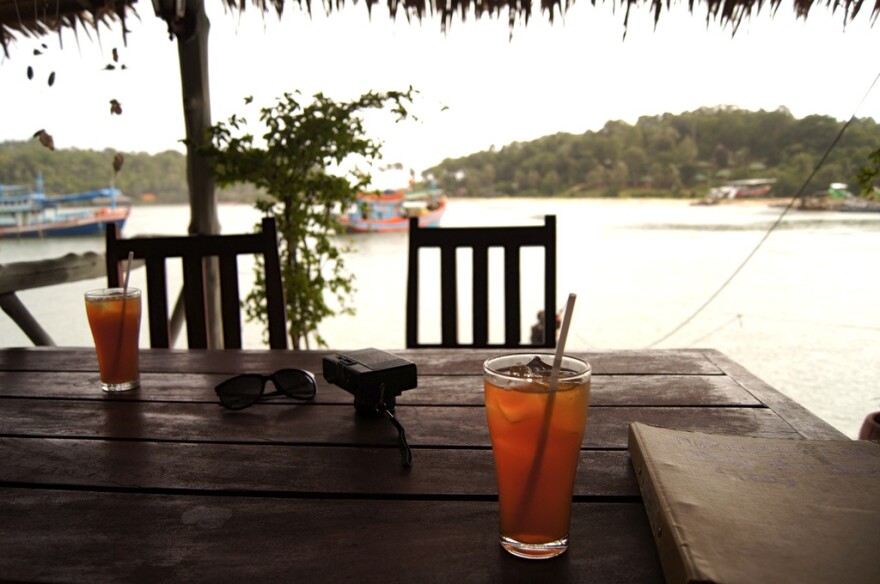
(118,160)
(30,72)
(115,107)
(115,55)
(45,139)
(51,78)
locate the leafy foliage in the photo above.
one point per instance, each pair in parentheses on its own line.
(161,175)
(868,176)
(668,155)
(306,162)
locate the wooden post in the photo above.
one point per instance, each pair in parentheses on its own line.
(19,314)
(192,50)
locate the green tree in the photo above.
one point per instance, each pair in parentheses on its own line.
(307,165)
(618,177)
(550,183)
(596,178)
(867,176)
(533,179)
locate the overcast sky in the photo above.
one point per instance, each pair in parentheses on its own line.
(477,86)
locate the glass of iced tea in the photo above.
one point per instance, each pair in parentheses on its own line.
(536,438)
(115,320)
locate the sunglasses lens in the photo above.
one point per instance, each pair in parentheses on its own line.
(240,392)
(295,383)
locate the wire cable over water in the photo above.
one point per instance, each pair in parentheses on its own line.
(775,224)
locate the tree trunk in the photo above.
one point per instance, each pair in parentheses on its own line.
(192,49)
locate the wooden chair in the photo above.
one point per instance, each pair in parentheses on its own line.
(193,250)
(480,239)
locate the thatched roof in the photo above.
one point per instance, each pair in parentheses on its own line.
(41,17)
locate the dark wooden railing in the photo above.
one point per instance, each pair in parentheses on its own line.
(18,276)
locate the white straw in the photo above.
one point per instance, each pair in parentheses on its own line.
(127,273)
(124,294)
(560,345)
(532,480)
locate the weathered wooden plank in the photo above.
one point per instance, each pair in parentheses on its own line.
(428,361)
(632,390)
(799,417)
(635,362)
(426,426)
(68,536)
(36,274)
(282,470)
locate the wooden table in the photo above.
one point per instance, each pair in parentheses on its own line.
(163,484)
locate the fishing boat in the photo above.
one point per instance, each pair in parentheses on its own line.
(29,212)
(391,210)
(837,197)
(742,189)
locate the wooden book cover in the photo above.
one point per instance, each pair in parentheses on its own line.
(735,509)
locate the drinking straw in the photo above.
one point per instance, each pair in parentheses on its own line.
(127,274)
(560,345)
(532,481)
(122,315)
(125,291)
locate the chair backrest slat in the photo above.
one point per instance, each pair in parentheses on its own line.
(480,240)
(275,304)
(157,304)
(511,295)
(194,251)
(229,302)
(194,301)
(481,295)
(448,299)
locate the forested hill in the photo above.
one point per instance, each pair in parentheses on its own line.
(668,155)
(159,178)
(671,155)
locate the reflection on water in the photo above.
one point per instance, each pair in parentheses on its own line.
(765,225)
(802,314)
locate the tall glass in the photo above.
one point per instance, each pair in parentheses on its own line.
(115,320)
(536,439)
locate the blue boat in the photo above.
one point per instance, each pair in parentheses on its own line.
(391,211)
(29,212)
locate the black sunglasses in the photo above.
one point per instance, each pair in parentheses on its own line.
(245,390)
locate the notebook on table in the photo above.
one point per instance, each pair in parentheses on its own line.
(735,509)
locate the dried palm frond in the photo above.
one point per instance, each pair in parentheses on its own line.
(45,139)
(90,13)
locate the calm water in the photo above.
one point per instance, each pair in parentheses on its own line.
(803,314)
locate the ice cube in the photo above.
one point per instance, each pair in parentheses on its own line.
(534,369)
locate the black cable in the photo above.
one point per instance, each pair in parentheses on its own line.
(405,451)
(787,208)
(738,317)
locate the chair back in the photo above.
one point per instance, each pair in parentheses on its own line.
(480,239)
(193,251)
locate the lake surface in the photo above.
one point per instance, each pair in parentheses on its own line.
(803,314)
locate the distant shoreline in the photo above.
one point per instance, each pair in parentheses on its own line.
(688,201)
(683,202)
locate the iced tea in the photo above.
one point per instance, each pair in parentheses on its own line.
(536,438)
(115,321)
